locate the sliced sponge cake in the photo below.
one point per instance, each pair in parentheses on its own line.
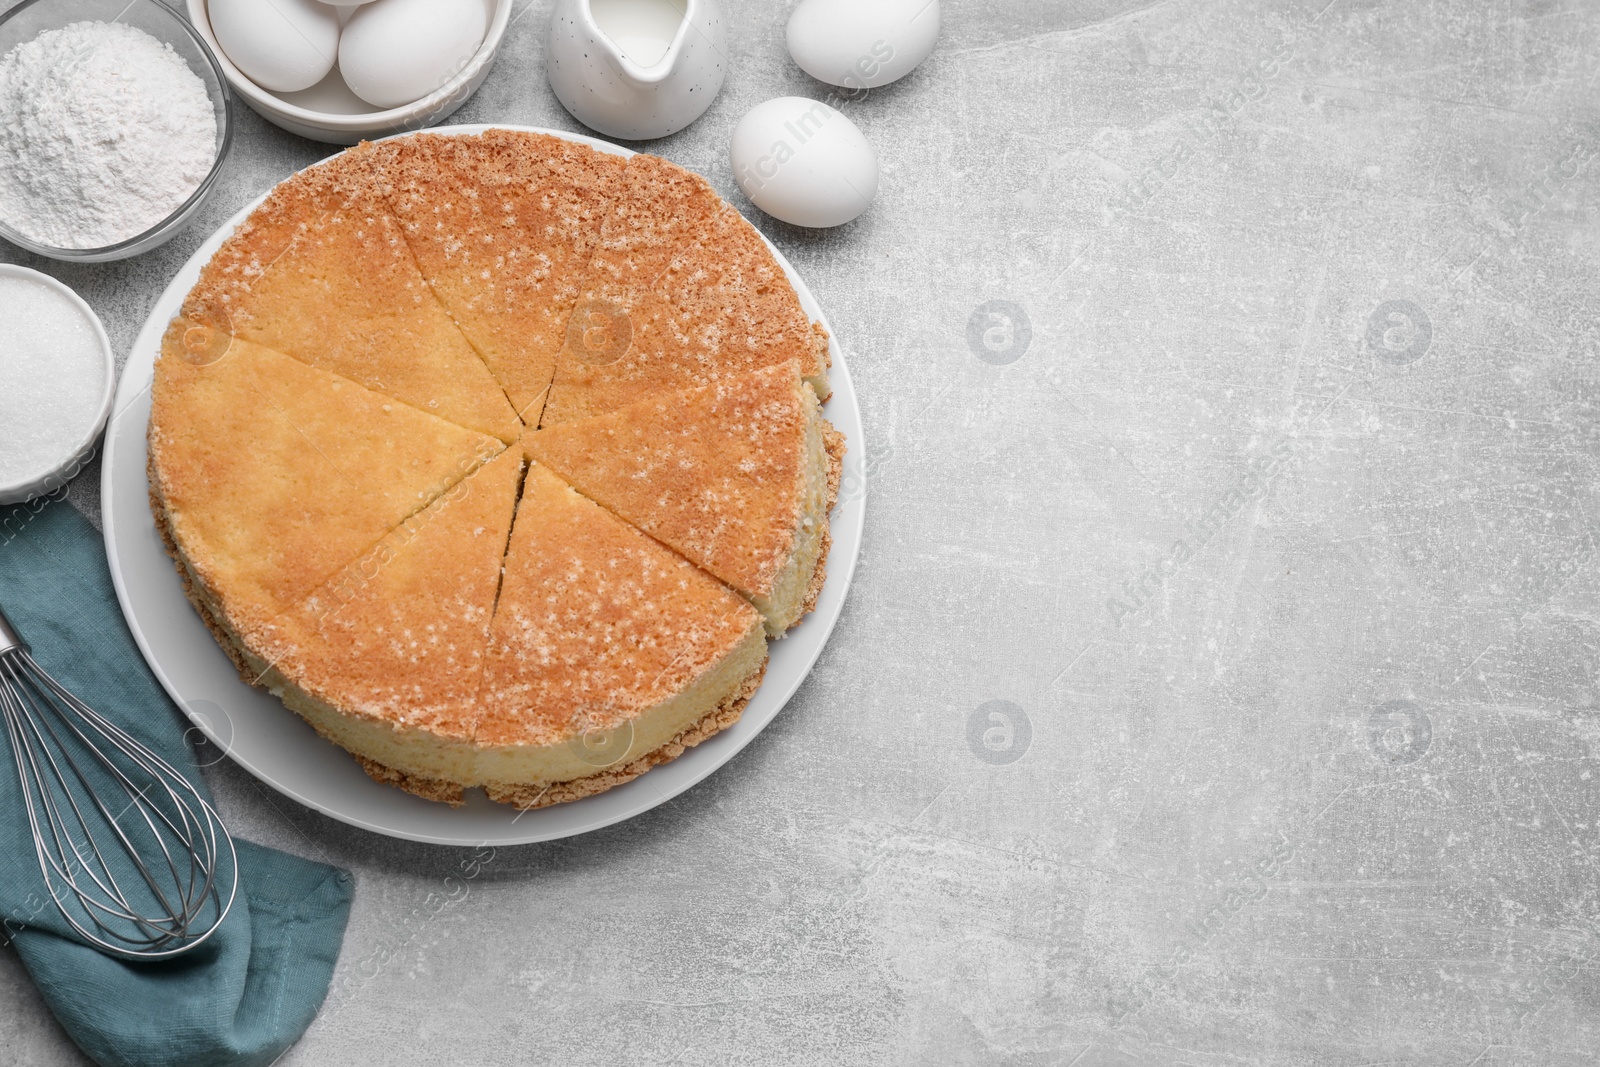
(268,475)
(503,226)
(734,475)
(681,292)
(321,272)
(386,657)
(329,466)
(606,647)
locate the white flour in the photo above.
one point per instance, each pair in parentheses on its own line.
(104,131)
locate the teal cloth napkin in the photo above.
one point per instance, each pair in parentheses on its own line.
(247,994)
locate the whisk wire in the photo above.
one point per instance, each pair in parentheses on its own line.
(55,822)
(63,836)
(48,800)
(128,786)
(66,870)
(68,758)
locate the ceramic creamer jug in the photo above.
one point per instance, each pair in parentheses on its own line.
(635,69)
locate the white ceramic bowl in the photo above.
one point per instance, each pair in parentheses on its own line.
(70,464)
(330,112)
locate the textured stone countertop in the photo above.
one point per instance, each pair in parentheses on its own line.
(1219,683)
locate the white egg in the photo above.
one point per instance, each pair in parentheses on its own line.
(282,46)
(397,51)
(862,44)
(803,162)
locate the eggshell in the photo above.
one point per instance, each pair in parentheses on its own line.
(862,44)
(282,46)
(397,51)
(803,162)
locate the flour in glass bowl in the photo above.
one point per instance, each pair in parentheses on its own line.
(104,132)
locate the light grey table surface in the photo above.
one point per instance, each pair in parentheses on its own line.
(1271,526)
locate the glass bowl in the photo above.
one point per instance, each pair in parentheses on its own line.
(32,17)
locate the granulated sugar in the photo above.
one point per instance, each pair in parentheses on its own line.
(104,132)
(52,378)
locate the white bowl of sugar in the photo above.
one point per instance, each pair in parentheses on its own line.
(56,382)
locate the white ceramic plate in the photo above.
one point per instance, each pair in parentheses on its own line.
(276,746)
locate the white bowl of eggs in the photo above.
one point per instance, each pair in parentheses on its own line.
(341,73)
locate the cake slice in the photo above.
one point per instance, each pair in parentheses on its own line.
(608,653)
(681,292)
(386,657)
(503,225)
(321,272)
(735,476)
(727,294)
(273,474)
(657,208)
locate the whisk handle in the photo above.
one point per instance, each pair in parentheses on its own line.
(10,640)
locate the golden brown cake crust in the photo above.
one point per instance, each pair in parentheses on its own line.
(275,473)
(322,273)
(697,291)
(398,635)
(426,788)
(721,473)
(503,225)
(597,624)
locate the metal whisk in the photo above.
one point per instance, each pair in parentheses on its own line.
(130,852)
